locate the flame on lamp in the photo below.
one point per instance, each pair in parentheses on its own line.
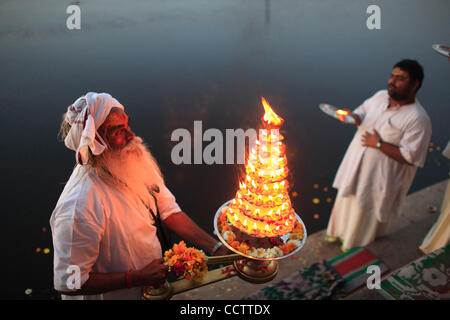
(341,114)
(270,117)
(262,206)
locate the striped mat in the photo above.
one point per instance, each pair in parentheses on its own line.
(427,278)
(352,266)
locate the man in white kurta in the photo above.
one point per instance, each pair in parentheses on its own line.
(104,234)
(102,229)
(379,166)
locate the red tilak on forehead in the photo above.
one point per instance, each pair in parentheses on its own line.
(115,118)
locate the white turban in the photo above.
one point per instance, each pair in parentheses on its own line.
(85,116)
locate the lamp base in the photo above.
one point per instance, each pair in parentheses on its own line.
(162,293)
(256,271)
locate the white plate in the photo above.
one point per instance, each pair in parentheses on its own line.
(285,237)
(441,49)
(331,111)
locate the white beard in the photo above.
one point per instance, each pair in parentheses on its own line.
(133,167)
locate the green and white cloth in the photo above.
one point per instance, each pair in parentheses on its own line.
(427,278)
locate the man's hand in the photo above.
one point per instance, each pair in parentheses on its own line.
(350,114)
(370,140)
(154,274)
(392,151)
(223,251)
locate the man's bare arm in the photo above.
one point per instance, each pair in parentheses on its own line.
(357,119)
(184,227)
(392,151)
(153,274)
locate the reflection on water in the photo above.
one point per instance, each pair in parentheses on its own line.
(173,62)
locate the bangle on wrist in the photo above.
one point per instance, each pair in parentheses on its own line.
(128,279)
(216,247)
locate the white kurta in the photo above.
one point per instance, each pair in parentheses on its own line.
(439,234)
(378,182)
(101,228)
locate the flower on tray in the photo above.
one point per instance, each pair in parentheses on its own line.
(288,247)
(278,247)
(298,228)
(229,236)
(188,263)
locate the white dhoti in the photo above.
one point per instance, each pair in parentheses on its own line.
(439,234)
(354,226)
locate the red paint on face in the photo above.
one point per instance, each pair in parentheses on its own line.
(117,130)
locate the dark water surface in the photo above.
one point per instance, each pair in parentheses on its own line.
(172,62)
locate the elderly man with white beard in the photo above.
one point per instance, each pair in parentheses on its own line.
(104,222)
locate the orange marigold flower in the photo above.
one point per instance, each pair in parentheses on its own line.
(188,263)
(235,244)
(295,236)
(286,248)
(243,247)
(230,239)
(226,227)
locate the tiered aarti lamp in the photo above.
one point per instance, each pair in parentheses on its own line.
(260,223)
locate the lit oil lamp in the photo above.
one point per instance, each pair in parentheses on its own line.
(341,114)
(262,210)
